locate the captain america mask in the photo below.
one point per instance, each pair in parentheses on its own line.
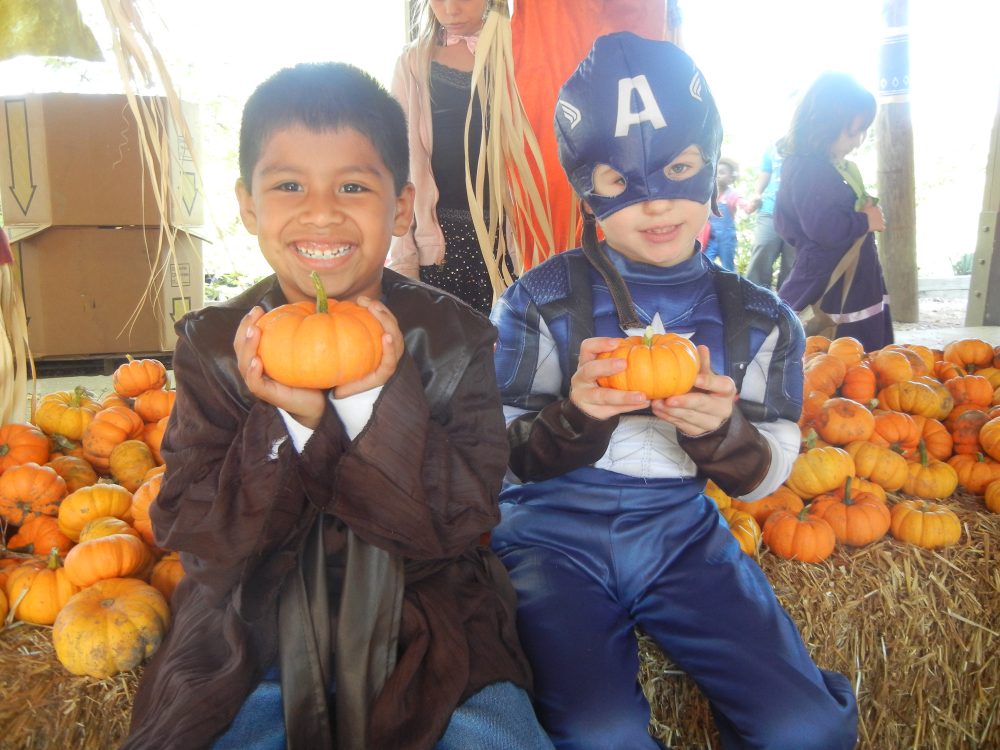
(635,104)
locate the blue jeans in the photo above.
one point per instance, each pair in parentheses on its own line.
(498,717)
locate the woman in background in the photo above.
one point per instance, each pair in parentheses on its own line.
(823,209)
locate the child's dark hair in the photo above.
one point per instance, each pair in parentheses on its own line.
(325,96)
(827,109)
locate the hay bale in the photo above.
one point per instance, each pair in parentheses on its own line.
(917,632)
(42,706)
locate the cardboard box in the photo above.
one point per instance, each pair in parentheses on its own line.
(76,159)
(85,289)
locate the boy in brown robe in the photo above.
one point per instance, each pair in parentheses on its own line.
(336,591)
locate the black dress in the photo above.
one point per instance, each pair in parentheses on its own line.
(463,272)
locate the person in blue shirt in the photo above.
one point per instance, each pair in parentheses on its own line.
(605,525)
(768,245)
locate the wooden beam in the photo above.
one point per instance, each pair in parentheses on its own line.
(984,289)
(894,144)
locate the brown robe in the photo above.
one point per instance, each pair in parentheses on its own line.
(421,481)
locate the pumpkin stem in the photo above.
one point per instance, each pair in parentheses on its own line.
(53,562)
(322,305)
(647,336)
(847,491)
(922,447)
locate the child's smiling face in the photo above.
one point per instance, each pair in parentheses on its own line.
(325,202)
(660,232)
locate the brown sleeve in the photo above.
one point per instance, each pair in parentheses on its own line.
(556,440)
(735,456)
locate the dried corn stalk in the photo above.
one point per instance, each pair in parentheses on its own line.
(510,150)
(140,64)
(14,352)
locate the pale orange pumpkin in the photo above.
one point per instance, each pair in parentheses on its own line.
(142,500)
(781,499)
(744,528)
(112,556)
(76,472)
(129,461)
(38,589)
(167,573)
(110,426)
(930,478)
(136,376)
(28,490)
(88,503)
(925,524)
(66,413)
(154,405)
(39,535)
(22,444)
(819,470)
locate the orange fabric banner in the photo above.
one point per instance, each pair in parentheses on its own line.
(549,39)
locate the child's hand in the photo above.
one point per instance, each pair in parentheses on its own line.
(876,220)
(588,396)
(392,350)
(706,407)
(305,405)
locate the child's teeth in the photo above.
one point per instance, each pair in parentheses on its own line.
(322,251)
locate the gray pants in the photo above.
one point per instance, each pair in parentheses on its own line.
(767,248)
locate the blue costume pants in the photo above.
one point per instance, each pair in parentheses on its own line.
(656,554)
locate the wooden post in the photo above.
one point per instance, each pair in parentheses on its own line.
(984,290)
(894,142)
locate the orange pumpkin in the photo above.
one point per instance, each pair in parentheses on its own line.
(660,365)
(781,499)
(321,344)
(112,556)
(930,478)
(136,376)
(88,503)
(38,589)
(819,470)
(76,472)
(991,496)
(970,389)
(110,627)
(857,518)
(811,406)
(965,431)
(848,349)
(110,426)
(926,355)
(154,405)
(911,397)
(30,490)
(945,400)
(3,607)
(969,353)
(924,524)
(936,437)
(106,526)
(891,367)
(896,430)
(989,438)
(129,461)
(816,344)
(917,364)
(841,421)
(60,445)
(799,536)
(824,373)
(744,528)
(142,500)
(39,535)
(945,371)
(860,484)
(152,435)
(167,573)
(22,444)
(881,465)
(716,494)
(66,413)
(859,384)
(975,472)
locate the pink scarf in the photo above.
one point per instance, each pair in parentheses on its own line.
(470,40)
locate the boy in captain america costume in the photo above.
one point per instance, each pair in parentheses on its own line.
(605,524)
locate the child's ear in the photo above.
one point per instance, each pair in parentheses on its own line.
(248,211)
(403,216)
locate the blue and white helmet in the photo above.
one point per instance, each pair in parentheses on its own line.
(635,104)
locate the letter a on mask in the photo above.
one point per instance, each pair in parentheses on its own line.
(649,111)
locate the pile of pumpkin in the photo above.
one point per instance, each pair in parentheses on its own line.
(887,437)
(76,485)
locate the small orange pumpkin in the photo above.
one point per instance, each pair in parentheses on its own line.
(824,373)
(66,413)
(847,348)
(930,478)
(819,470)
(39,535)
(925,524)
(969,354)
(936,437)
(22,444)
(38,589)
(136,376)
(841,421)
(879,464)
(859,384)
(76,472)
(95,528)
(112,556)
(88,503)
(319,345)
(856,518)
(991,496)
(799,536)
(30,490)
(129,461)
(660,365)
(744,528)
(975,471)
(110,426)
(155,404)
(142,500)
(167,573)
(989,438)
